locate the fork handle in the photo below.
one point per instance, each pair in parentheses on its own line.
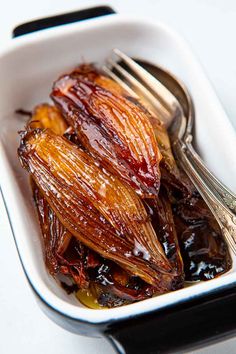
(227,197)
(223,215)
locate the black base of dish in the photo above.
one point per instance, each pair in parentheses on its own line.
(179,328)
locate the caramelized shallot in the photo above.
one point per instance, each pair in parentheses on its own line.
(113,129)
(94,206)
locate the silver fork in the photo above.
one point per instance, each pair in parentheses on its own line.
(139,83)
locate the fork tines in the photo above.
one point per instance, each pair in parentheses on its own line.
(139,83)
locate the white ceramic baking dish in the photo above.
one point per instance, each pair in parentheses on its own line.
(28,66)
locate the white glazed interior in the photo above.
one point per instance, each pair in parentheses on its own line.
(27,70)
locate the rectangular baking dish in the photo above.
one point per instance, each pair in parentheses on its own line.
(28,66)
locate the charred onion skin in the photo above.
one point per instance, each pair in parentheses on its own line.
(112,220)
(113,129)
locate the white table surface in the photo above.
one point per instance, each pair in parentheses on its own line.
(210,28)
